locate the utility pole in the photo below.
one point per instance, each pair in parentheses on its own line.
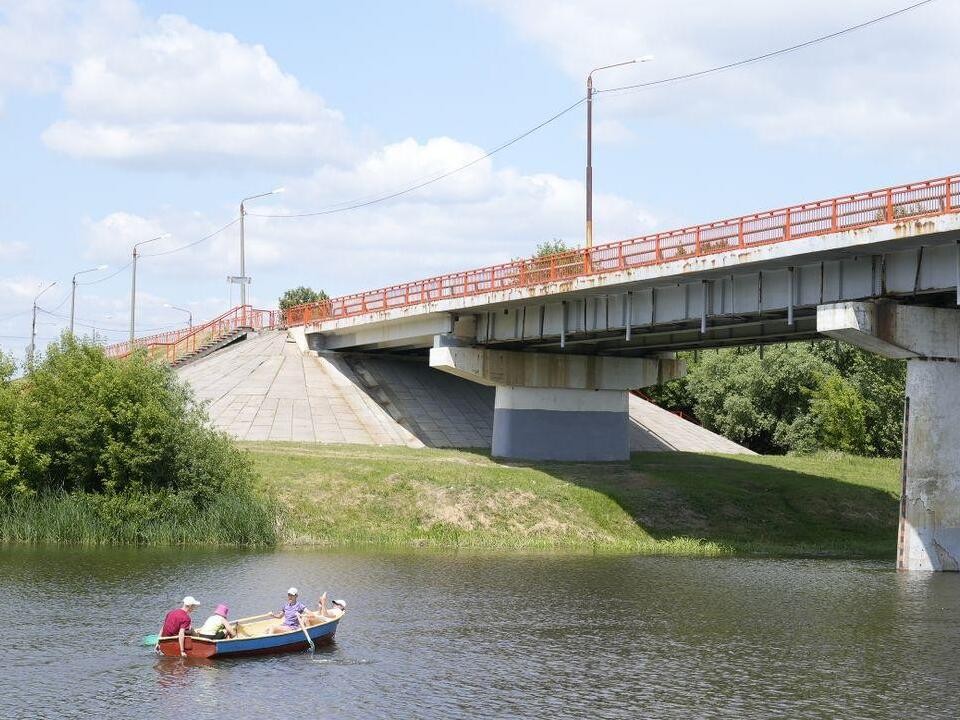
(73,291)
(645,58)
(31,350)
(133,286)
(243,279)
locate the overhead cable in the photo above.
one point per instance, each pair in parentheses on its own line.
(623,89)
(354,205)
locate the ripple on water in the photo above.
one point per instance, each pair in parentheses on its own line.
(446,636)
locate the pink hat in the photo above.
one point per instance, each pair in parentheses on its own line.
(221,610)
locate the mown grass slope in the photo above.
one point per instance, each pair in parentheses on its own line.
(669,503)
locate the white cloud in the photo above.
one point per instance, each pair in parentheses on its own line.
(479,217)
(39,39)
(172,94)
(889,81)
(12,251)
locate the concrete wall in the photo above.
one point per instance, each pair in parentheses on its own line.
(561,424)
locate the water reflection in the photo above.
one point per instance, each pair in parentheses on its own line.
(434,635)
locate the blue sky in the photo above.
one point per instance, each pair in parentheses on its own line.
(121,120)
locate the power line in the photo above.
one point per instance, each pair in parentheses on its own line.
(95,325)
(768,55)
(356,204)
(111,275)
(195,242)
(366,202)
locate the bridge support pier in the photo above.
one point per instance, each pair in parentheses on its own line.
(557,406)
(929,340)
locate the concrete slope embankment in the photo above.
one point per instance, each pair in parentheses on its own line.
(265,388)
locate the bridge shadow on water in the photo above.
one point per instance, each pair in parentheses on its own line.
(837,506)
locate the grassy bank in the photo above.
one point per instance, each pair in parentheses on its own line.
(138,519)
(663,503)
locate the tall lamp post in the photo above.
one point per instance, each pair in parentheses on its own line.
(243,279)
(33,327)
(645,58)
(133,286)
(188,312)
(73,290)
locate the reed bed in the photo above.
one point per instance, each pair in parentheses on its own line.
(89,519)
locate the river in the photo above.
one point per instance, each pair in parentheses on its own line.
(431,635)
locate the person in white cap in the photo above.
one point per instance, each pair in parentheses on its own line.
(178,622)
(290,613)
(324,613)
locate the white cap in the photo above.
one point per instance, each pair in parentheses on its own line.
(293,591)
(191,600)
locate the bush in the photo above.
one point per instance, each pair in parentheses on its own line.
(121,443)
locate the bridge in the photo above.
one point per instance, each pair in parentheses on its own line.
(563,339)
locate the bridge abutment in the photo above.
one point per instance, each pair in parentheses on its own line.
(557,406)
(929,340)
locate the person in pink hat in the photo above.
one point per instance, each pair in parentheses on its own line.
(217,627)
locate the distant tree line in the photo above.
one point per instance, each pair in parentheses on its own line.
(797,398)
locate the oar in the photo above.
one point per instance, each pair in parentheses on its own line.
(306,634)
(151,639)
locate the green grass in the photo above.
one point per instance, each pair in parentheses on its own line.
(145,519)
(659,503)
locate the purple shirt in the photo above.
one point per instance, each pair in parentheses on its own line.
(291,613)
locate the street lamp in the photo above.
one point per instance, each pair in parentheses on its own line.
(645,58)
(243,279)
(73,290)
(133,287)
(189,314)
(33,327)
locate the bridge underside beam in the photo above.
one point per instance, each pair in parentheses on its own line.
(557,407)
(929,340)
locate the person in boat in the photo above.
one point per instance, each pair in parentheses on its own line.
(291,613)
(324,612)
(178,622)
(217,627)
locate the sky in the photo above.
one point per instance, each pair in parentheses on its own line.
(123,120)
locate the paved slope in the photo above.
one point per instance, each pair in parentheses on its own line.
(263,388)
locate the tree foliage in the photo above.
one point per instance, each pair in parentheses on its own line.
(798,398)
(556,246)
(300,296)
(84,422)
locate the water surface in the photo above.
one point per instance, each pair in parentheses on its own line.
(430,635)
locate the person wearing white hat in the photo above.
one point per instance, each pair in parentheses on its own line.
(324,613)
(178,622)
(290,613)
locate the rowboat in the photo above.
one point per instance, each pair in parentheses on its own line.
(253,638)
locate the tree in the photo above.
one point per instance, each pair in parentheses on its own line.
(300,296)
(798,398)
(84,422)
(552,247)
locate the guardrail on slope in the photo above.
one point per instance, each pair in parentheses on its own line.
(171,345)
(850,212)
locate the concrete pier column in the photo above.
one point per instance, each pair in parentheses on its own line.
(929,340)
(930,518)
(561,424)
(553,406)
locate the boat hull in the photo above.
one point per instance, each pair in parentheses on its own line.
(292,641)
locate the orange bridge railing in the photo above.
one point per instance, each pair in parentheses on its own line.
(850,212)
(170,346)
